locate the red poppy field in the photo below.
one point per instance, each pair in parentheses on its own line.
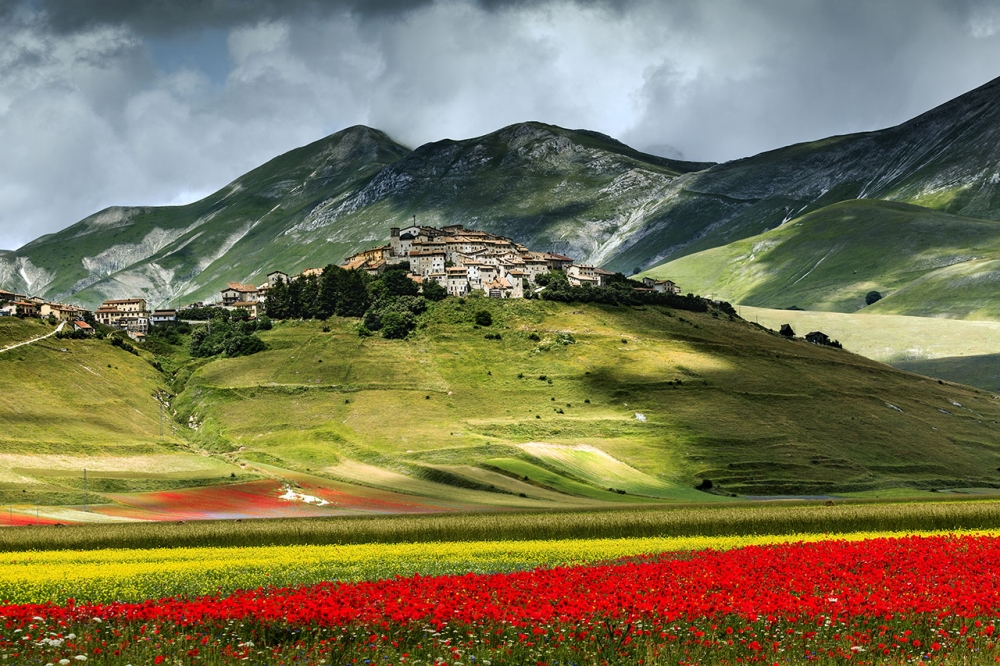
(257,499)
(883,600)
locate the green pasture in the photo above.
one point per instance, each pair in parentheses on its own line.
(575,407)
(924,262)
(956,350)
(722,400)
(69,405)
(14,330)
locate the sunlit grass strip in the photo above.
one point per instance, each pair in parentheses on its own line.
(782,518)
(134,575)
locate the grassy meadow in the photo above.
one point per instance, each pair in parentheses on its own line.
(924,262)
(956,350)
(69,405)
(643,400)
(575,407)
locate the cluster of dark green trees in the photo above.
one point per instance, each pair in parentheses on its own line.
(389,304)
(619,291)
(229,333)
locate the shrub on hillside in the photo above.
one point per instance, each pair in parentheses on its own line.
(71,335)
(872,297)
(169,333)
(121,344)
(201,314)
(434,292)
(396,325)
(232,338)
(619,291)
(484,318)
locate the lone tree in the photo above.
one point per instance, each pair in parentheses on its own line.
(872,297)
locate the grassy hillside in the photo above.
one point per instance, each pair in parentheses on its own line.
(66,405)
(574,407)
(961,351)
(982,370)
(923,262)
(645,400)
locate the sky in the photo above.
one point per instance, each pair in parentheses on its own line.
(118,102)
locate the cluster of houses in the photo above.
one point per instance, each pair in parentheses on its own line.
(130,315)
(466,260)
(460,260)
(20,305)
(133,316)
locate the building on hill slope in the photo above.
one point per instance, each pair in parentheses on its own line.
(662,286)
(129,314)
(252,308)
(236,292)
(21,309)
(62,312)
(162,317)
(10,297)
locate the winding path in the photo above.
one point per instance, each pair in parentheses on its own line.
(28,342)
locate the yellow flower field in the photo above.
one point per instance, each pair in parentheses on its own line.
(137,574)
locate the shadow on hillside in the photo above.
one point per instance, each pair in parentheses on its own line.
(981,371)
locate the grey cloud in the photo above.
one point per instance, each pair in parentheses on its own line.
(168,17)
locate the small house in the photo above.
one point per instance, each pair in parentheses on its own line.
(162,317)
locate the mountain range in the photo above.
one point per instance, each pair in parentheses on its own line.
(571,191)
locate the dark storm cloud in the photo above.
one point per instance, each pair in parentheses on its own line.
(165,17)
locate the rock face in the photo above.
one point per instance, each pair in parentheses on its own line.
(570,191)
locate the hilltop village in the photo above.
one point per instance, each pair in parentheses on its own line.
(460,260)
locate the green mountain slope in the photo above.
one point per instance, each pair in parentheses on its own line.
(923,262)
(647,400)
(572,191)
(170,253)
(945,159)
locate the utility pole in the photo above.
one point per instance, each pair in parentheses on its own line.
(86,506)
